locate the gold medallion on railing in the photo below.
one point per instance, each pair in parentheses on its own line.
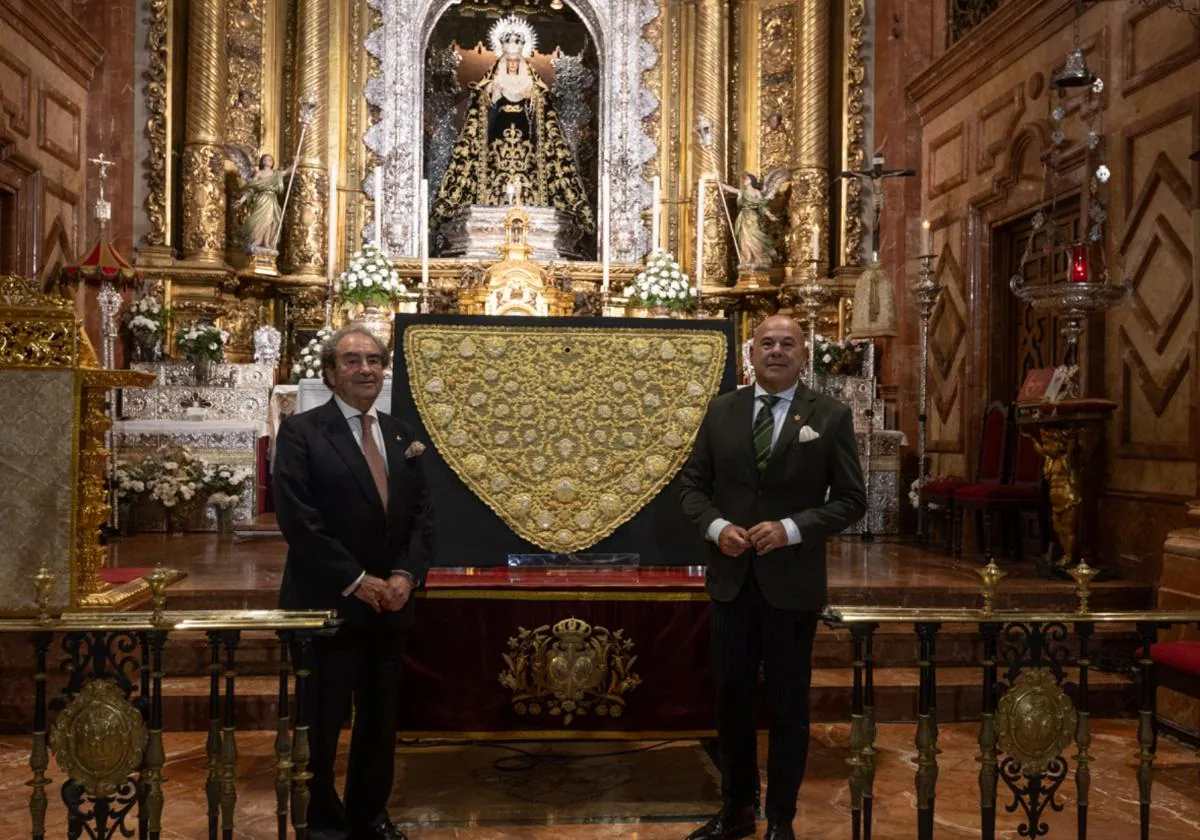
(564,433)
(99,739)
(570,670)
(1035,720)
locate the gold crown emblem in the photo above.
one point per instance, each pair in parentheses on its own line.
(572,630)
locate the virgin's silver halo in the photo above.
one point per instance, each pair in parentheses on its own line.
(509,25)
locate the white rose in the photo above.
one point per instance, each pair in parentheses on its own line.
(827,358)
(308,374)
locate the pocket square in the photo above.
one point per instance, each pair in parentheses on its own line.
(414,449)
(808,433)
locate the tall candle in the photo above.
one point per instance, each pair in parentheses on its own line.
(379,207)
(928,237)
(332,227)
(655,198)
(424,228)
(815,244)
(700,232)
(606,237)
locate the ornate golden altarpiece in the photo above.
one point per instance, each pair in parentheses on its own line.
(673,107)
(54,393)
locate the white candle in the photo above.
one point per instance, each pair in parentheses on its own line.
(655,197)
(606,237)
(510,191)
(928,237)
(379,207)
(815,244)
(424,228)
(700,232)
(332,226)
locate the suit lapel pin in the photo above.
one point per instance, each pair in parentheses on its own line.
(797,418)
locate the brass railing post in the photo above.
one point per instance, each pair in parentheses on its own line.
(152,773)
(283,740)
(927,731)
(230,640)
(39,756)
(858,737)
(300,752)
(212,746)
(987,732)
(1146,731)
(1083,734)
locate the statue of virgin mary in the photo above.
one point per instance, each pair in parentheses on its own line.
(511,141)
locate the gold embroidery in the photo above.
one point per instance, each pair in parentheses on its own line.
(565,434)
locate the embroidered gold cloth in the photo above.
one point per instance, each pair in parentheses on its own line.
(565,434)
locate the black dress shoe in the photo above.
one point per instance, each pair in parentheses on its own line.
(729,824)
(779,830)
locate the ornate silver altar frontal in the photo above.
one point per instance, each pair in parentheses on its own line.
(398,91)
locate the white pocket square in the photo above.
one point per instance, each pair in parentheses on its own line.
(808,433)
(414,449)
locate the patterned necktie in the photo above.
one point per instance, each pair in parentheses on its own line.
(764,430)
(374,458)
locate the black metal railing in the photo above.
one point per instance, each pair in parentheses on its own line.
(1032,711)
(108,731)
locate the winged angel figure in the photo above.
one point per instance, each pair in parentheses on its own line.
(753,230)
(262,187)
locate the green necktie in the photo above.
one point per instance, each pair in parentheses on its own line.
(764,429)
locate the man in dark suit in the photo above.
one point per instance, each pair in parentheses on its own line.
(774,472)
(352,502)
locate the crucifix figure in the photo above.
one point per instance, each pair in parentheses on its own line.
(102,210)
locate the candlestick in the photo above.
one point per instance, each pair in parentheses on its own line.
(700,232)
(379,207)
(424,228)
(925,292)
(606,243)
(928,237)
(332,227)
(655,197)
(815,244)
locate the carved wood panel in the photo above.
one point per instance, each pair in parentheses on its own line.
(1155,337)
(948,348)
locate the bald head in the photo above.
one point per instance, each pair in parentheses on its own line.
(777,353)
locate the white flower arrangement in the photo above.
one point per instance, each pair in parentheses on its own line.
(308,366)
(914,493)
(132,480)
(225,484)
(200,341)
(146,321)
(662,283)
(177,480)
(370,279)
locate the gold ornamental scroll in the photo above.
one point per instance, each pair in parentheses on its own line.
(565,434)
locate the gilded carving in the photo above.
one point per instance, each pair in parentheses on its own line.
(305,230)
(565,435)
(1034,720)
(36,330)
(776,82)
(99,738)
(244,47)
(570,670)
(856,133)
(808,205)
(203,200)
(157,40)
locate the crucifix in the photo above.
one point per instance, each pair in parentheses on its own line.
(876,175)
(102,209)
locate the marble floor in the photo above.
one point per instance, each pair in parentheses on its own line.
(656,791)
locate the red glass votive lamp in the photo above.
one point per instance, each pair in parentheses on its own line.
(1079,264)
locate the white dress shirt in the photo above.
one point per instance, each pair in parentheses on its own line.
(354,420)
(778,413)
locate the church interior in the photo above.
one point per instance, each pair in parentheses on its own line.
(565,219)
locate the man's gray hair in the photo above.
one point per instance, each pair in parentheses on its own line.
(329,346)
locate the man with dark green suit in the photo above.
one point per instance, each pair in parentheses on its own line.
(774,473)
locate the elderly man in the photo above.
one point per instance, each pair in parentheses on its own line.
(774,472)
(352,502)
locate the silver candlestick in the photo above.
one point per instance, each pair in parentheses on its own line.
(813,295)
(926,291)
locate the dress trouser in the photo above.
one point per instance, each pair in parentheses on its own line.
(361,665)
(744,632)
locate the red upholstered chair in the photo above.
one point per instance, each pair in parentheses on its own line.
(1177,666)
(938,496)
(1007,499)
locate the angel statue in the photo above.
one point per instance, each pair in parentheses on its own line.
(512,136)
(261,191)
(751,232)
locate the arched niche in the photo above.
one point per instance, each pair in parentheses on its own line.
(397,90)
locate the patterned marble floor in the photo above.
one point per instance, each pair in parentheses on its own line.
(576,790)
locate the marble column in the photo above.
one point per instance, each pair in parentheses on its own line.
(203,158)
(710,123)
(809,204)
(304,230)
